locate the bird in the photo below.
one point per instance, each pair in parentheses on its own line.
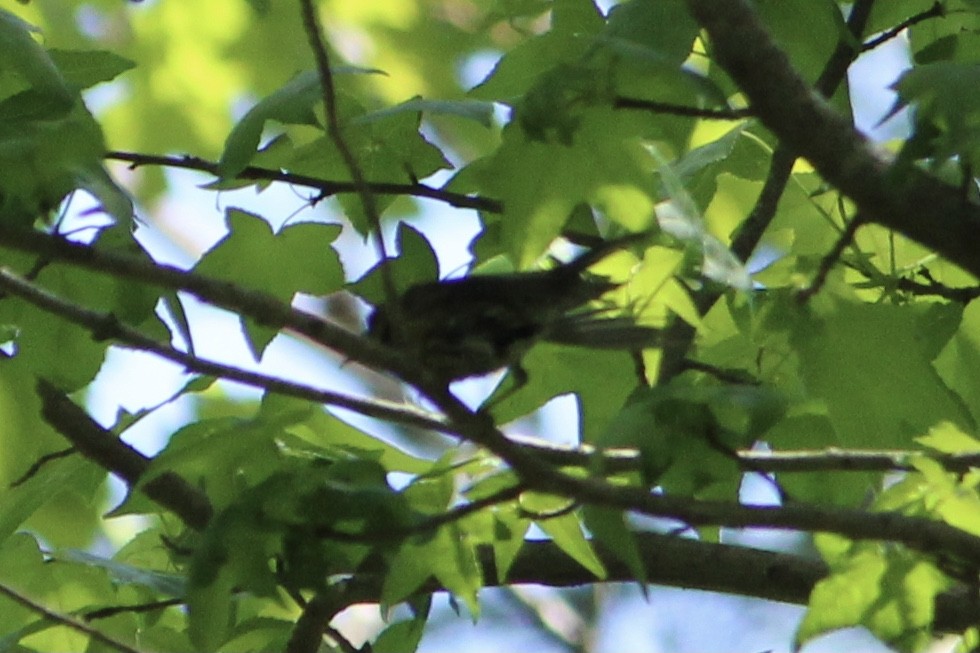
(459,328)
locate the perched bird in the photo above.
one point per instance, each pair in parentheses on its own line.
(466,327)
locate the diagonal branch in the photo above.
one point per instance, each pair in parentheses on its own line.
(65,620)
(265,309)
(107,326)
(112,454)
(924,535)
(902,198)
(751,230)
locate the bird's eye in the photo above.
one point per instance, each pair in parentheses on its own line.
(378,326)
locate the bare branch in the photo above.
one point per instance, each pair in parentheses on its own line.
(937,10)
(138,608)
(106,326)
(324,187)
(680,110)
(65,620)
(750,231)
(261,307)
(831,258)
(918,533)
(612,461)
(111,453)
(905,199)
(961,295)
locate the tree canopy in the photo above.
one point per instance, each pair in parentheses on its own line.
(817,370)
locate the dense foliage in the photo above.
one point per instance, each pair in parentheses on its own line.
(816,293)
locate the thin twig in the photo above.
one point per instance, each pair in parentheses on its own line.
(307,635)
(750,231)
(325,187)
(66,621)
(620,102)
(937,10)
(612,461)
(107,326)
(39,463)
(314,35)
(113,610)
(394,533)
(342,642)
(961,295)
(831,258)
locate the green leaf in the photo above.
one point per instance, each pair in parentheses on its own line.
(297,259)
(221,453)
(551,514)
(448,555)
(407,572)
(169,584)
(57,349)
(676,430)
(664,27)
(416,263)
(888,591)
(555,370)
(941,93)
(210,610)
(86,68)
(946,437)
(22,502)
(400,637)
(869,404)
(454,563)
(20,52)
(46,157)
(331,436)
(574,22)
(959,362)
(679,217)
(807,30)
(541,183)
(609,529)
(476,110)
(292,104)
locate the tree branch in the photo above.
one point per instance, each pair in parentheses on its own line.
(261,307)
(673,562)
(937,10)
(326,188)
(621,102)
(107,326)
(925,535)
(750,231)
(112,454)
(669,560)
(612,461)
(307,634)
(314,35)
(830,259)
(65,620)
(905,199)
